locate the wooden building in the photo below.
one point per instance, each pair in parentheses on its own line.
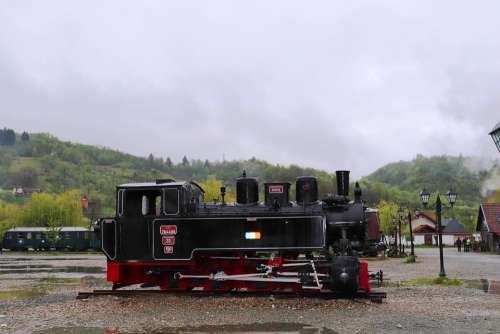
(488,223)
(424,229)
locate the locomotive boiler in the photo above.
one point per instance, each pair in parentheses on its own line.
(165,234)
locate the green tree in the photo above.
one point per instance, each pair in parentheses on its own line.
(387,211)
(53,229)
(7,137)
(9,217)
(151,160)
(43,209)
(26,177)
(212,190)
(25,137)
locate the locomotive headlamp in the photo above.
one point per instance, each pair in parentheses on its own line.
(495,135)
(252,235)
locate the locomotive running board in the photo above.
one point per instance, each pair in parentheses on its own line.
(373,296)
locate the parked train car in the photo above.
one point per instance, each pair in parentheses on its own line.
(165,235)
(39,238)
(24,238)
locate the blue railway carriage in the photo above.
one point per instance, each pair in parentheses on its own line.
(37,238)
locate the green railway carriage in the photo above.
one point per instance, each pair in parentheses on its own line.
(41,238)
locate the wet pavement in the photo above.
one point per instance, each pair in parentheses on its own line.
(264,328)
(73,271)
(26,267)
(37,295)
(487,286)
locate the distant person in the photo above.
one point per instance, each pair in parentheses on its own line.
(467,245)
(459,245)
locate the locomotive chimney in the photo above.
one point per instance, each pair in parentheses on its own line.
(342,182)
(306,190)
(247,190)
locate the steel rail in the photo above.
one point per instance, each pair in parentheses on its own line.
(374,296)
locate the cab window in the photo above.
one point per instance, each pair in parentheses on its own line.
(142,202)
(171,201)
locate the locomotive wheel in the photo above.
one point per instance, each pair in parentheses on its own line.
(344,273)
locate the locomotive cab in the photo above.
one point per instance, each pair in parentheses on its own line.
(127,236)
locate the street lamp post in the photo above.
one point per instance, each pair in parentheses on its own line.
(412,253)
(495,135)
(401,216)
(452,197)
(394,223)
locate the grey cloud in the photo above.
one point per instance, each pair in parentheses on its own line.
(329,85)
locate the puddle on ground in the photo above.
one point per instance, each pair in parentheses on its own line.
(268,328)
(485,285)
(47,257)
(22,294)
(35,269)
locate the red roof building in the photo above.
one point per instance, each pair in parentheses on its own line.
(488,223)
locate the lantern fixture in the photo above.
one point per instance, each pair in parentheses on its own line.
(452,197)
(495,135)
(424,197)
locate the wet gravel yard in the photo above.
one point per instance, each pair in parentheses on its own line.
(44,302)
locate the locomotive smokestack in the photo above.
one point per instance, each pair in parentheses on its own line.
(342,182)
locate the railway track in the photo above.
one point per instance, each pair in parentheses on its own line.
(375,297)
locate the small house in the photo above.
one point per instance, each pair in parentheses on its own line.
(424,228)
(488,223)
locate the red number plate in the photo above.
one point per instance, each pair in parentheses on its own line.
(276,189)
(168,240)
(168,229)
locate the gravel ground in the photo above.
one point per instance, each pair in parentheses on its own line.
(418,309)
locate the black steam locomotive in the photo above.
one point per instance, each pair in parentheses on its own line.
(164,234)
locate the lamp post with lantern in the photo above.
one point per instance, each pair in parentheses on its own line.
(452,198)
(394,223)
(399,250)
(495,135)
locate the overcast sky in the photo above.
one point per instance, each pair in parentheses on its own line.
(327,84)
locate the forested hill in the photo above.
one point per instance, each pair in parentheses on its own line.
(400,184)
(437,173)
(43,161)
